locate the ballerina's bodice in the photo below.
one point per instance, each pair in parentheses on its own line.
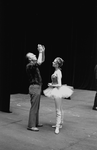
(54,79)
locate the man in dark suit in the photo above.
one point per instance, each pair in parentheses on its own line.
(95,99)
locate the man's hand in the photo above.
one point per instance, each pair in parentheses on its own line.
(41,48)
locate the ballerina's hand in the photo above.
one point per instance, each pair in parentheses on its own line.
(49,84)
(53,85)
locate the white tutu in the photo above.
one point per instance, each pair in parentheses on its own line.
(63,91)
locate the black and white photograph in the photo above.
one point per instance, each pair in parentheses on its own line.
(48,75)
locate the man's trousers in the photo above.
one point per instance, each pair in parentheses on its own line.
(35,94)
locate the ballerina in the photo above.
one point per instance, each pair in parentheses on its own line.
(57,91)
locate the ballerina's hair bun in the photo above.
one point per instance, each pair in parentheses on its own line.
(60,61)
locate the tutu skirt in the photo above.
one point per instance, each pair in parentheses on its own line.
(63,91)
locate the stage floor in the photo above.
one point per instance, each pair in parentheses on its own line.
(79,131)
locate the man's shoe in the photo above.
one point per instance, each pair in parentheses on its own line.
(69,98)
(94,108)
(33,129)
(39,125)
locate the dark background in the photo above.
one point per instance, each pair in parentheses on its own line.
(67,30)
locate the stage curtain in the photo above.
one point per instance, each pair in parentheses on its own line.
(67,30)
